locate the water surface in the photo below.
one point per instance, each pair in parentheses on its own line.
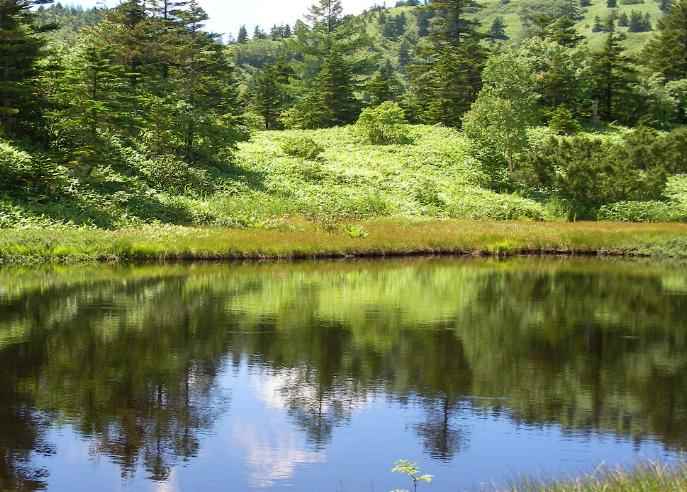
(318,376)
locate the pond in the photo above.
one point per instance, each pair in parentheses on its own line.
(318,376)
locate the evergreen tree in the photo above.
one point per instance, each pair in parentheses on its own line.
(259,33)
(612,4)
(564,32)
(639,22)
(268,94)
(326,14)
(623,20)
(383,86)
(612,76)
(424,17)
(94,100)
(404,53)
(585,3)
(665,5)
(446,79)
(666,52)
(497,31)
(336,88)
(598,25)
(243,35)
(20,50)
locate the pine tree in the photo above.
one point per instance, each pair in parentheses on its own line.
(623,20)
(585,3)
(268,95)
(336,88)
(259,33)
(564,32)
(243,35)
(404,53)
(497,31)
(666,52)
(612,4)
(665,5)
(446,79)
(613,76)
(94,100)
(383,86)
(326,14)
(20,50)
(598,26)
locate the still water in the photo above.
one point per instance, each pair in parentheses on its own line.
(319,376)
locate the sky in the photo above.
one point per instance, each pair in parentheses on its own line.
(226,16)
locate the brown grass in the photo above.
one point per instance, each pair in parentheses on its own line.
(300,239)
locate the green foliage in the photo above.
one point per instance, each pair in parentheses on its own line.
(20,50)
(652,211)
(382,125)
(411,471)
(446,79)
(589,173)
(498,121)
(562,122)
(666,53)
(303,147)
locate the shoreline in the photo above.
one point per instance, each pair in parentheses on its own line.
(301,240)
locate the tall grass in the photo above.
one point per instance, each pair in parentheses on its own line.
(303,239)
(647,478)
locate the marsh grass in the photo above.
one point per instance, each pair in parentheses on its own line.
(647,478)
(299,238)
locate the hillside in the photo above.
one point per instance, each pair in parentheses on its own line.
(382,25)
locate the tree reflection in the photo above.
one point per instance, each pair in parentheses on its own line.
(130,358)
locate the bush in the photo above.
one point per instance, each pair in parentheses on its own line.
(652,211)
(20,172)
(303,147)
(477,204)
(562,122)
(382,125)
(589,173)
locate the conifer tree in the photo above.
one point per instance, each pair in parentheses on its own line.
(446,79)
(94,100)
(623,20)
(404,53)
(564,32)
(268,95)
(497,31)
(666,52)
(243,35)
(613,76)
(383,86)
(612,4)
(20,50)
(326,14)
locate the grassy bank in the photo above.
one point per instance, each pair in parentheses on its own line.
(302,239)
(649,478)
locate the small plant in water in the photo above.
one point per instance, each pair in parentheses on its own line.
(411,470)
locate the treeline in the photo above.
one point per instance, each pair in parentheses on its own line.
(148,81)
(146,76)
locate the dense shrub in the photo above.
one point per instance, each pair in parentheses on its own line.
(652,211)
(22,173)
(563,122)
(476,203)
(588,173)
(382,125)
(303,147)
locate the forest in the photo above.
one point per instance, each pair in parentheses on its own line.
(511,109)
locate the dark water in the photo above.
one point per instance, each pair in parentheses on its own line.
(318,376)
